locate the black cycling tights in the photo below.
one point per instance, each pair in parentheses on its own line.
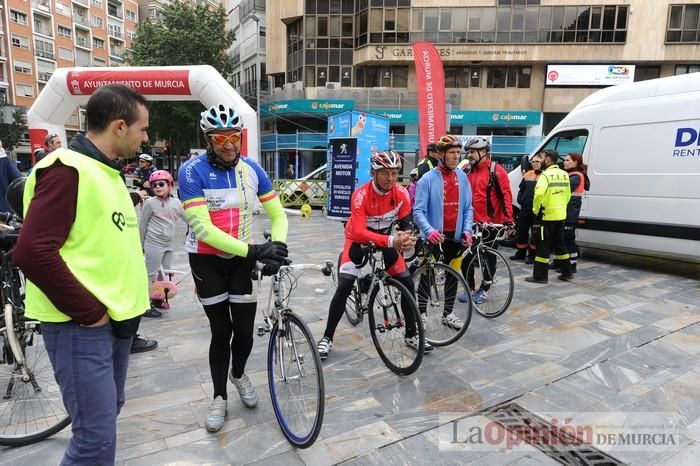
(222,346)
(340,298)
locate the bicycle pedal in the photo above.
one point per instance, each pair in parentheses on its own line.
(261,331)
(381,329)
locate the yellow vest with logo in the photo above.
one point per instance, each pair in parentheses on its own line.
(103,249)
(552,194)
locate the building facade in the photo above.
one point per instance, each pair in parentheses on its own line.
(247,20)
(513,68)
(39,36)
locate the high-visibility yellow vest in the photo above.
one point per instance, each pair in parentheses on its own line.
(552,194)
(103,249)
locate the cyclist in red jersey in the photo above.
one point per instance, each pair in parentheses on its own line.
(375,207)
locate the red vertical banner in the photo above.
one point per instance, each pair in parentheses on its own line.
(430,86)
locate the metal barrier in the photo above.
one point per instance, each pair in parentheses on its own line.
(296,193)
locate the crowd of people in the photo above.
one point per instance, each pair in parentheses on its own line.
(90,299)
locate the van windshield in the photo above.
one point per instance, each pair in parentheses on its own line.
(566,142)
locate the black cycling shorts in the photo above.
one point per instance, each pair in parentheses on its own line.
(221,279)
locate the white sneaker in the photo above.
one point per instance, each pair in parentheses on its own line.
(452,321)
(216,415)
(324,347)
(414,341)
(245,390)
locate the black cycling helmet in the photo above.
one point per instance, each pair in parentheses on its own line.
(15,195)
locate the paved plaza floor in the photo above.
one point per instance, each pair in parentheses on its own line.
(623,337)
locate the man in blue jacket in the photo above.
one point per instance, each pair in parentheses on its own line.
(443,209)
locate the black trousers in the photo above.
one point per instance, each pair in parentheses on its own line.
(570,242)
(525,221)
(550,239)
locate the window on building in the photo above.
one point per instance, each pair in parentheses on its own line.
(20,42)
(462,76)
(96,3)
(18,17)
(131,34)
(645,72)
(685,69)
(43,49)
(508,76)
(97,61)
(98,43)
(24,90)
(62,9)
(65,54)
(131,15)
(152,12)
(22,66)
(97,21)
(385,76)
(65,32)
(683,24)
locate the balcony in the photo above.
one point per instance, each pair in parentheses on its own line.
(44,76)
(85,3)
(44,54)
(81,21)
(42,6)
(82,42)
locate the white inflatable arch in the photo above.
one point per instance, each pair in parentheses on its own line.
(70,87)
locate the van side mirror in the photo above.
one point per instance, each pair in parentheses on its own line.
(525,163)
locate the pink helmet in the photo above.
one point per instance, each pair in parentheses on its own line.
(161,175)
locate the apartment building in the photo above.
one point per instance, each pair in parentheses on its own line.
(247,20)
(38,36)
(512,67)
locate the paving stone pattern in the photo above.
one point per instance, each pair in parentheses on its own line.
(624,336)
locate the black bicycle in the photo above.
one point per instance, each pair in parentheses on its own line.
(389,306)
(31,407)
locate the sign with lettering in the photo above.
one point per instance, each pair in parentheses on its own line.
(282,107)
(589,75)
(341,184)
(450,52)
(151,82)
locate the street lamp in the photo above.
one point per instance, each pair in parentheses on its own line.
(255,18)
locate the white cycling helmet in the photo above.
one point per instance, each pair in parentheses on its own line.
(220,117)
(385,159)
(146,157)
(477,142)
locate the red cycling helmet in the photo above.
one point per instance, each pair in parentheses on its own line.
(161,175)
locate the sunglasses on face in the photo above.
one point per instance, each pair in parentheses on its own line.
(160,184)
(222,139)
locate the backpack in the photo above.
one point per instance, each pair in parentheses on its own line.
(493,183)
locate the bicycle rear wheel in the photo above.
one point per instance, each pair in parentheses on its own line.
(31,406)
(437,288)
(296,382)
(391,305)
(490,271)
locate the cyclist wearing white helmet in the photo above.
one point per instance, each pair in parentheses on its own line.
(144,171)
(217,190)
(375,207)
(492,201)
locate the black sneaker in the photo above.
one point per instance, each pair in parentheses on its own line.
(542,281)
(152,312)
(140,345)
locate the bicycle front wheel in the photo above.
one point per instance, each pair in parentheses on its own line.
(295,379)
(392,313)
(489,271)
(445,317)
(31,406)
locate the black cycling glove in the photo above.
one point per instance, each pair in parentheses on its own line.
(275,250)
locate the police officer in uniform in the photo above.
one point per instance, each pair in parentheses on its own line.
(552,194)
(430,161)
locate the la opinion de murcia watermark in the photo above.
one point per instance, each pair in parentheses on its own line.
(651,431)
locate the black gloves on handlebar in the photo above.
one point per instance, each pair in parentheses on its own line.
(272,250)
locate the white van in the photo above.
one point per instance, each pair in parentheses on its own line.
(641,142)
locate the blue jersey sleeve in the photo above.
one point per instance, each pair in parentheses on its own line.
(190,183)
(264,182)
